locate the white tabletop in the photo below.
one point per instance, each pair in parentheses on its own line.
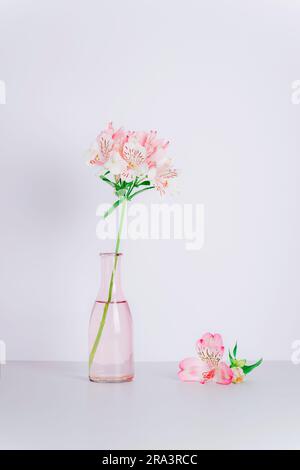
(54,406)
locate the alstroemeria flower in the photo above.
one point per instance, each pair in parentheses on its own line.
(161,174)
(151,143)
(134,154)
(238,375)
(115,165)
(107,143)
(240,367)
(132,162)
(209,365)
(92,154)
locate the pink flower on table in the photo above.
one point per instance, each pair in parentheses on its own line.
(210,348)
(209,365)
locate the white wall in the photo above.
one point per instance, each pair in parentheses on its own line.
(215,78)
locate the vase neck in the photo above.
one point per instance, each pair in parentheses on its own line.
(110,284)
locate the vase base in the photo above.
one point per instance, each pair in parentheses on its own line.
(124,378)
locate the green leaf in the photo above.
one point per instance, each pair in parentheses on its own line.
(144,183)
(234,350)
(130,188)
(232,362)
(247,369)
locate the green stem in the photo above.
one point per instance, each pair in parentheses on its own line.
(105,310)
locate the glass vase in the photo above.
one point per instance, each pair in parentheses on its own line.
(110,328)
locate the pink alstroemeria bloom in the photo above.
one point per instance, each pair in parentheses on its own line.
(142,152)
(160,175)
(150,142)
(135,156)
(209,365)
(107,143)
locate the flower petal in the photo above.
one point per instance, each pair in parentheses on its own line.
(105,144)
(134,154)
(224,374)
(194,374)
(238,375)
(189,362)
(194,370)
(210,348)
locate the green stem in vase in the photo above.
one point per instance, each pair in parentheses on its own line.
(105,310)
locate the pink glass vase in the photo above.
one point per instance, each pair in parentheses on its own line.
(110,328)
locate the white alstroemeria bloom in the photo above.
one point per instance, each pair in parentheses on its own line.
(92,154)
(115,164)
(238,375)
(160,176)
(134,156)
